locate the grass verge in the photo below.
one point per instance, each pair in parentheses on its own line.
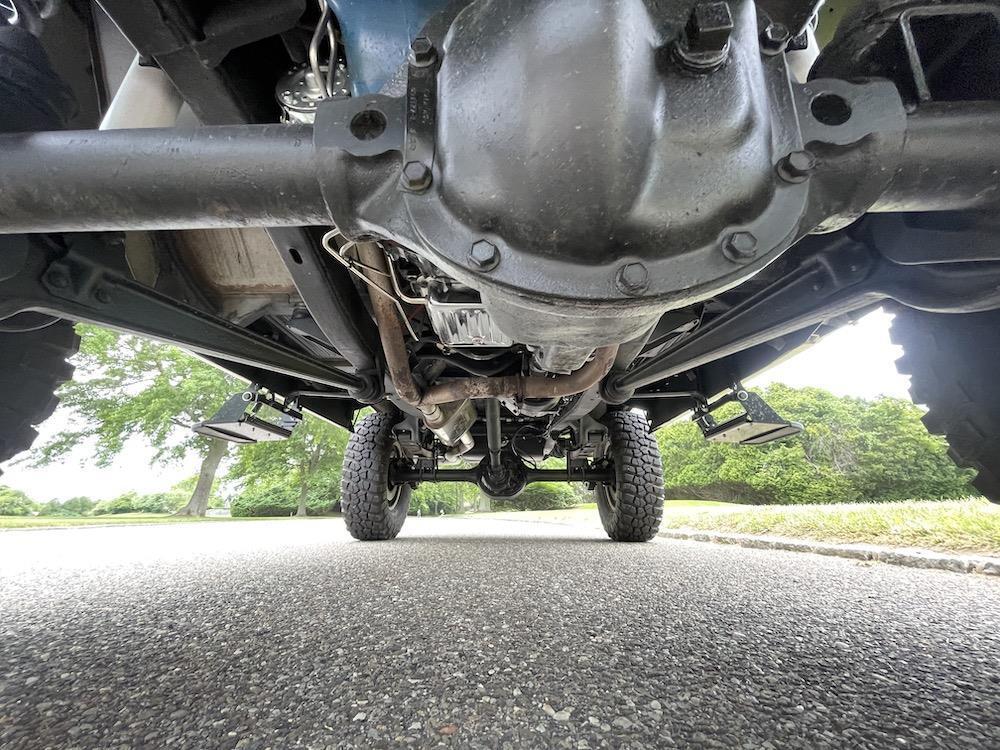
(121,519)
(953,525)
(960,526)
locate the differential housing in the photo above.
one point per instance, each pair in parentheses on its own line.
(588,164)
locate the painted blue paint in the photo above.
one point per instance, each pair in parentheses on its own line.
(376,36)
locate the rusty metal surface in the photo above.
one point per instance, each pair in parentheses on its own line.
(398,360)
(532,386)
(390,329)
(234,261)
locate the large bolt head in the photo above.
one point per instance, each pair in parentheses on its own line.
(774,37)
(740,247)
(709,27)
(58,279)
(416,176)
(632,278)
(797,166)
(422,52)
(484,255)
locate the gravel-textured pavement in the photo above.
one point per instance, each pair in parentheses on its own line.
(478,633)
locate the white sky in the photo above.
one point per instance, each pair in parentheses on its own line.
(856,360)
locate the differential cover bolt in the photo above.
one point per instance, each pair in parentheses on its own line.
(773,37)
(422,53)
(740,247)
(416,176)
(632,278)
(484,255)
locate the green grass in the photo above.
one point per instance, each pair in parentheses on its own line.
(953,525)
(586,513)
(122,519)
(670,505)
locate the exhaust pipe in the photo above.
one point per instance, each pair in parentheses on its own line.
(511,386)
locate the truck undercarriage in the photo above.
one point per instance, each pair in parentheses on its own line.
(516,230)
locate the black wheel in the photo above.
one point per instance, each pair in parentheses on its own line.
(631,507)
(373,508)
(952,363)
(33,347)
(34,366)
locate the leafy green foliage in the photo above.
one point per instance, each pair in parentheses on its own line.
(541,496)
(15,503)
(75,506)
(133,502)
(851,450)
(430,499)
(183,489)
(283,500)
(127,387)
(303,472)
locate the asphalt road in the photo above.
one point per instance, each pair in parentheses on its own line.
(476,633)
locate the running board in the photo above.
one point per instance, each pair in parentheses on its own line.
(758,424)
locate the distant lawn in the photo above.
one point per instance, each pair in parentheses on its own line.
(118,519)
(952,525)
(586,513)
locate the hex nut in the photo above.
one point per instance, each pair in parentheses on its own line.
(774,37)
(422,52)
(416,176)
(484,255)
(740,247)
(632,278)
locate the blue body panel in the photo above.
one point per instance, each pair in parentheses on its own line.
(376,36)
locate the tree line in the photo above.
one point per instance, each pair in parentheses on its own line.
(852,450)
(126,387)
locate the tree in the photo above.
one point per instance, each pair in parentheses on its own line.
(128,387)
(541,496)
(75,506)
(431,498)
(851,450)
(15,503)
(301,473)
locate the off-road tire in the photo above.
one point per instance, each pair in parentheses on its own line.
(373,510)
(952,364)
(631,509)
(33,366)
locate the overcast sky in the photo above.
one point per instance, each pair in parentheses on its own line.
(856,360)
